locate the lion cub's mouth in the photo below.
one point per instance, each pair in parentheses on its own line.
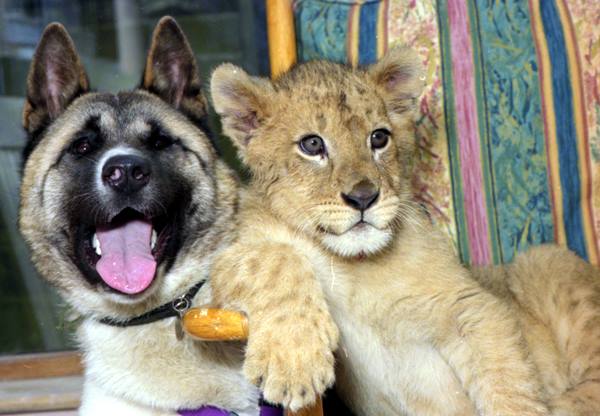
(358,226)
(126,251)
(361,225)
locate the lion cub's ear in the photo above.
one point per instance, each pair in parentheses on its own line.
(56,77)
(171,71)
(399,78)
(241,101)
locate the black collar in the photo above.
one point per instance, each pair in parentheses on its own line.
(170,309)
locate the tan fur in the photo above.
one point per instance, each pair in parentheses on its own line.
(138,370)
(418,335)
(556,297)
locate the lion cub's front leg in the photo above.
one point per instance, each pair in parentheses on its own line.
(292,336)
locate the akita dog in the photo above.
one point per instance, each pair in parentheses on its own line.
(124,203)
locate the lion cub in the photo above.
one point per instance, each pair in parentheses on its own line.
(329,233)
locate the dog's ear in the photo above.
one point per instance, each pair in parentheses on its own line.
(241,100)
(399,79)
(171,71)
(56,77)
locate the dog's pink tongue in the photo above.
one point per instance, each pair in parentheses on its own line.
(126,264)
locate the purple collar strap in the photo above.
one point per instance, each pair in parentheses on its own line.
(265,410)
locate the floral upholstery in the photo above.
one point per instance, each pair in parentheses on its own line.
(508,130)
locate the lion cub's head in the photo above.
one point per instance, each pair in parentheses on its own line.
(328,146)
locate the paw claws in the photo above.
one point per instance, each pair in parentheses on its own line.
(294,375)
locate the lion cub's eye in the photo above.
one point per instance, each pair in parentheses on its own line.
(379,138)
(312,145)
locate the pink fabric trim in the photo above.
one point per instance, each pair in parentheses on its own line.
(468,132)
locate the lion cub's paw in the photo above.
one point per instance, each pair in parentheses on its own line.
(292,362)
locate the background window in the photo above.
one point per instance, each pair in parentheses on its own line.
(112,38)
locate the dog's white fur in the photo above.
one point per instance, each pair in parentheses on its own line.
(147,364)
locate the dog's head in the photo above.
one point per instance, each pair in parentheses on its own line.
(119,188)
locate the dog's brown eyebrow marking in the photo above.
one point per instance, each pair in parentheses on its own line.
(157,127)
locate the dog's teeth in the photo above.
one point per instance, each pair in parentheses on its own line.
(153,239)
(96,244)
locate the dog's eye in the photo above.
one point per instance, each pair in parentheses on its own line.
(312,145)
(84,144)
(159,141)
(380,138)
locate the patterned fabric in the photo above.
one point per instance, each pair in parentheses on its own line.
(509,126)
(342,30)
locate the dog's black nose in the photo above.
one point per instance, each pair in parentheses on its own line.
(362,196)
(126,173)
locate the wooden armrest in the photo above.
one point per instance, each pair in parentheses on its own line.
(212,324)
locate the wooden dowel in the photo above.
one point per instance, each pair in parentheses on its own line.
(314,410)
(282,36)
(211,324)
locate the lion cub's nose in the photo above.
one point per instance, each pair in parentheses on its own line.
(362,196)
(126,173)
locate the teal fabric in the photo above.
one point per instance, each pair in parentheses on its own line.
(321,28)
(513,125)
